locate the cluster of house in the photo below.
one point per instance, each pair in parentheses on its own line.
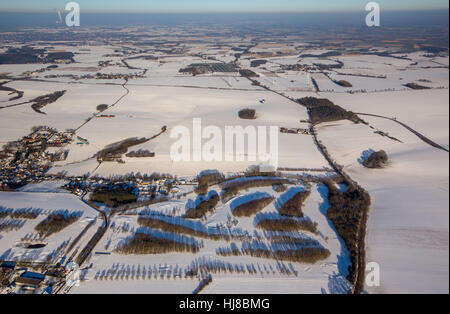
(111,76)
(295,131)
(162,187)
(299,67)
(27,159)
(98,76)
(110,157)
(16,279)
(104,64)
(139,187)
(80,185)
(107,116)
(36,72)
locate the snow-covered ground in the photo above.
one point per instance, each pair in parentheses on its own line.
(408,228)
(147,109)
(11,247)
(327,276)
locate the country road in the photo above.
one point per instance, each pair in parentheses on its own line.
(127,91)
(359,265)
(87,250)
(419,135)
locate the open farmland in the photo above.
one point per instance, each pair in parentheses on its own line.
(89,184)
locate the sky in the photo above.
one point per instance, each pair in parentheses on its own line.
(225,6)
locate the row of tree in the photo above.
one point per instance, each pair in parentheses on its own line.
(293,207)
(286,224)
(56,222)
(252,207)
(204,206)
(142,243)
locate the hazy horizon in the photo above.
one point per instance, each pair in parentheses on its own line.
(17,20)
(230,6)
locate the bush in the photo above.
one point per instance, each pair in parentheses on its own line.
(140,154)
(309,255)
(25,214)
(206,179)
(201,189)
(323,110)
(252,207)
(155,223)
(210,177)
(248,114)
(279,188)
(293,207)
(203,207)
(247,73)
(233,188)
(9,225)
(113,198)
(233,250)
(286,224)
(416,86)
(142,243)
(291,240)
(119,148)
(42,101)
(134,205)
(56,222)
(343,83)
(4,212)
(102,107)
(203,284)
(257,63)
(376,160)
(301,251)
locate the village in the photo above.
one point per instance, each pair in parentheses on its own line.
(144,188)
(98,76)
(28,159)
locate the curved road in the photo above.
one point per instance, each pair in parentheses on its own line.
(419,135)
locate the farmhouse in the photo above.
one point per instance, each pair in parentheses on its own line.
(30,278)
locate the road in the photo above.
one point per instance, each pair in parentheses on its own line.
(127,91)
(87,250)
(419,135)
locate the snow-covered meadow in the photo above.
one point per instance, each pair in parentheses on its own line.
(408,220)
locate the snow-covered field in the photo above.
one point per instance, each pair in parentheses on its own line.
(408,228)
(47,202)
(326,276)
(147,109)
